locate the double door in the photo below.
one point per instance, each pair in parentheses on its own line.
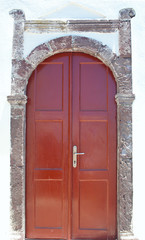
(71,109)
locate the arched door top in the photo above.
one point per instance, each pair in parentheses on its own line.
(121,67)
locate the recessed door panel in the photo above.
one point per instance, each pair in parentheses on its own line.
(71,102)
(93,205)
(48,204)
(93,86)
(96,150)
(49,85)
(49,144)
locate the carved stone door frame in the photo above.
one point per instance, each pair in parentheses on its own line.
(121,68)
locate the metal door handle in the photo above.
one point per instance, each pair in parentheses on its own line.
(75,153)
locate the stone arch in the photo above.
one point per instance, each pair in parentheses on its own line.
(22,69)
(118,65)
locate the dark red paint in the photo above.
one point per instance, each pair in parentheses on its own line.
(71,102)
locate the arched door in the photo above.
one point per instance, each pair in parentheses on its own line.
(71,109)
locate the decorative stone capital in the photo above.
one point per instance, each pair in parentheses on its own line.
(126,13)
(18,100)
(17,14)
(122,99)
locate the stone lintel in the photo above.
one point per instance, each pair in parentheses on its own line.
(17,100)
(40,26)
(122,99)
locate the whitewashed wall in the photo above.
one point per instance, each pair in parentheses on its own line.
(60,9)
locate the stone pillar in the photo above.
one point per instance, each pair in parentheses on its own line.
(20,67)
(125,184)
(124,100)
(125,16)
(18,36)
(17,166)
(21,70)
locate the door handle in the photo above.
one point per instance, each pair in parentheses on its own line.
(75,153)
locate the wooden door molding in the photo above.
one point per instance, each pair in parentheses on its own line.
(121,68)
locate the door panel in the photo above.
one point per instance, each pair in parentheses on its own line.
(96,150)
(93,86)
(47,150)
(48,192)
(49,85)
(93,204)
(71,102)
(49,137)
(94,133)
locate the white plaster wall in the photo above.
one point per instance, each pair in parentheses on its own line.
(59,8)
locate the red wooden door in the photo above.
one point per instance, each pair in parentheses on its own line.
(94,132)
(71,103)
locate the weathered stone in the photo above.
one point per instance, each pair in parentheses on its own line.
(17,197)
(121,66)
(18,37)
(17,14)
(17,100)
(125,161)
(125,31)
(18,86)
(39,54)
(106,54)
(124,98)
(62,44)
(127,236)
(17,135)
(21,69)
(86,45)
(17,165)
(126,13)
(51,26)
(126,192)
(122,72)
(125,41)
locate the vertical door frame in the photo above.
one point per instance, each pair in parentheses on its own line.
(121,68)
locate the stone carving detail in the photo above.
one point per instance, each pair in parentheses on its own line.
(126,13)
(121,68)
(124,98)
(17,100)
